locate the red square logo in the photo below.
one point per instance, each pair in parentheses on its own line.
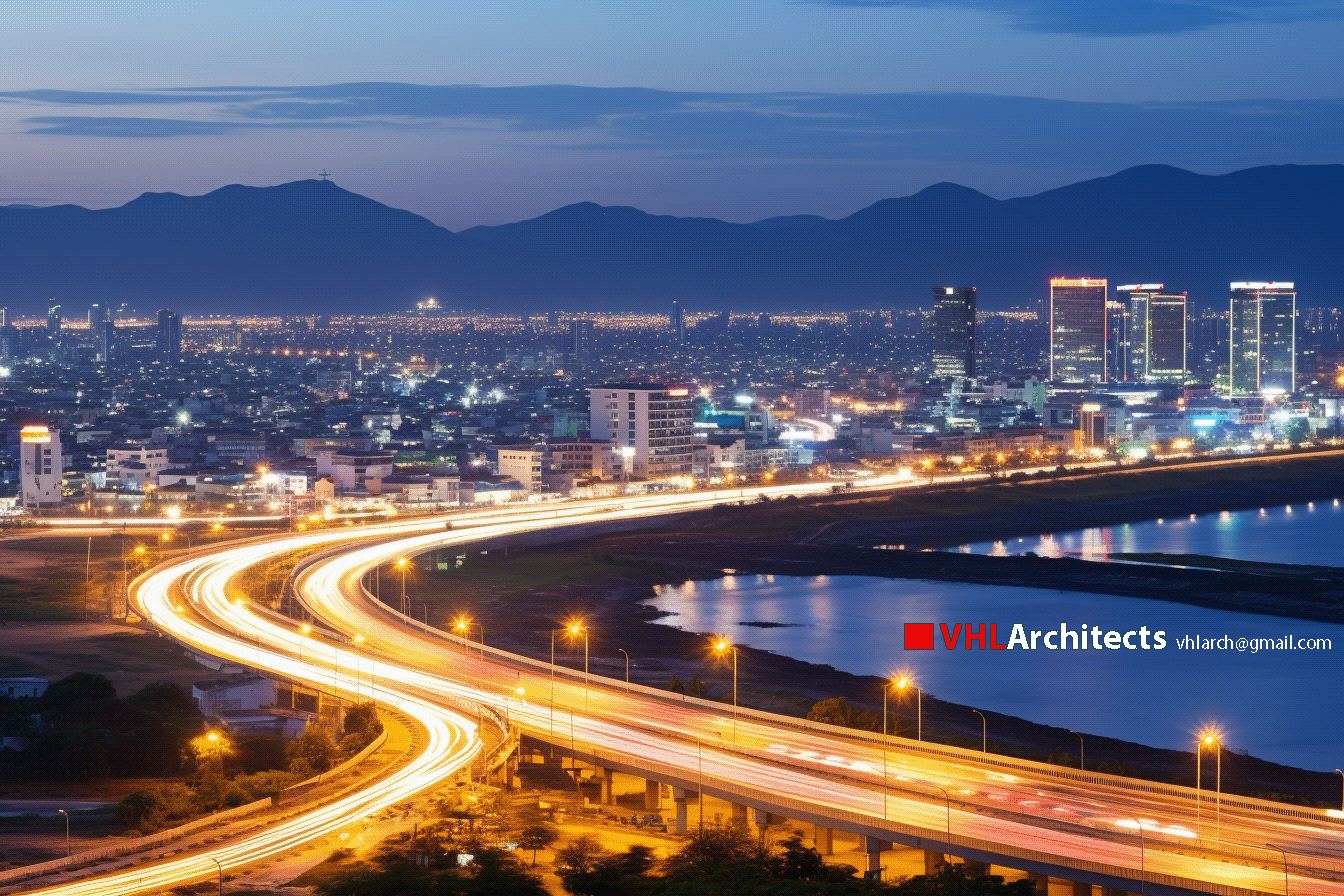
(919,636)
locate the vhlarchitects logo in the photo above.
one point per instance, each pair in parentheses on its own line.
(923,636)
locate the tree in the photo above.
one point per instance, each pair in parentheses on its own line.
(579,856)
(535,837)
(311,751)
(80,698)
(837,711)
(362,727)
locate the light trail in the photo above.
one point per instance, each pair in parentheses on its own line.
(679,734)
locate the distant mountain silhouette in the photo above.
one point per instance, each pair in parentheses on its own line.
(312,246)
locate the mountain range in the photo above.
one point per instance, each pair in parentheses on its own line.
(311,246)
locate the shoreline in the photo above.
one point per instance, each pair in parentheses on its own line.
(613,576)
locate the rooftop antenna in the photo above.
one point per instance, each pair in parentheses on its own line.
(323,174)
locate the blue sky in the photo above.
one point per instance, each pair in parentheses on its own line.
(738,108)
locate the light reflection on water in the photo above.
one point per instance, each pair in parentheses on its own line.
(1271,703)
(1307,533)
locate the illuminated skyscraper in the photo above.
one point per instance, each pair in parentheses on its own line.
(581,341)
(169,337)
(1153,343)
(677,323)
(953,326)
(1078,329)
(1262,338)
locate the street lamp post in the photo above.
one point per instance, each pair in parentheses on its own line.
(1283,853)
(948,797)
(627,668)
(1080,748)
(984,731)
(464,625)
(401,564)
(67,831)
(220,868)
(1213,739)
(721,646)
(902,683)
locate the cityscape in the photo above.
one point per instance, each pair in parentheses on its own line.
(675,450)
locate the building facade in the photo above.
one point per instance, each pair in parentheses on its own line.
(953,332)
(648,425)
(39,466)
(1262,338)
(1153,341)
(1078,329)
(812,404)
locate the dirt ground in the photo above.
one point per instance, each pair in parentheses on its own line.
(129,657)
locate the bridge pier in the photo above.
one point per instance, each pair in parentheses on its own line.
(605,777)
(872,855)
(739,812)
(1081,889)
(975,869)
(679,798)
(933,861)
(1114,891)
(1040,881)
(822,837)
(761,819)
(653,796)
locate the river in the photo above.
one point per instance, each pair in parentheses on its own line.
(1280,705)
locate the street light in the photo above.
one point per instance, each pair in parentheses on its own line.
(67,831)
(401,564)
(464,626)
(1210,737)
(722,646)
(984,731)
(906,681)
(220,868)
(1283,853)
(627,668)
(1080,748)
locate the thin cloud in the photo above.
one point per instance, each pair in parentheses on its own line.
(1122,18)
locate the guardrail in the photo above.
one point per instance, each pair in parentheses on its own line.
(161,838)
(729,788)
(893,743)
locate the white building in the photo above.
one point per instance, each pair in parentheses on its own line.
(249,692)
(133,465)
(39,466)
(523,464)
(353,470)
(648,426)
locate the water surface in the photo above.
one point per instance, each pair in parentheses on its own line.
(1283,706)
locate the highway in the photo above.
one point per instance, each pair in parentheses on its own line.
(1040,809)
(435,680)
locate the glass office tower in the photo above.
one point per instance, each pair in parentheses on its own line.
(1078,329)
(1262,338)
(1154,340)
(953,332)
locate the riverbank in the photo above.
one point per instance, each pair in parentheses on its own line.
(608,581)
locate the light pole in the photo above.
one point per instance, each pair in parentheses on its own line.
(1080,748)
(984,731)
(906,681)
(1283,853)
(721,647)
(572,629)
(627,668)
(464,626)
(67,831)
(401,564)
(947,796)
(220,868)
(1210,738)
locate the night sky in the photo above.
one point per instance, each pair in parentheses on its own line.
(740,109)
